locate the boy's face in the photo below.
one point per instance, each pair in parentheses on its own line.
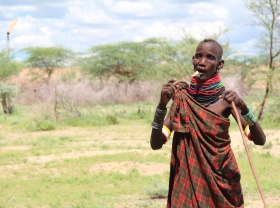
(207,59)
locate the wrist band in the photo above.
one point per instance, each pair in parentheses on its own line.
(250,118)
(247,132)
(166,133)
(158,118)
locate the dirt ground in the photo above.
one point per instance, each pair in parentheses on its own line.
(128,138)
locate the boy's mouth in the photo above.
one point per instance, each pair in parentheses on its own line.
(197,74)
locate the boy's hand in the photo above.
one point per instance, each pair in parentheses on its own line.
(167,92)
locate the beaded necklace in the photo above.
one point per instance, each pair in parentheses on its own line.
(206,92)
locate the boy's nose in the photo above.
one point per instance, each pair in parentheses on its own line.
(202,62)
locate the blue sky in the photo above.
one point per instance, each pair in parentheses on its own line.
(79,24)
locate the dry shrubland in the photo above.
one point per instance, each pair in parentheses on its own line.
(81,90)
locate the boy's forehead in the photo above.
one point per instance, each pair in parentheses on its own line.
(211,47)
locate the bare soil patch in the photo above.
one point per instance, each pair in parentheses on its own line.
(272,137)
(124,137)
(124,167)
(90,141)
(15,148)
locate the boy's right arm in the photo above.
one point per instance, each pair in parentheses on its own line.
(157,138)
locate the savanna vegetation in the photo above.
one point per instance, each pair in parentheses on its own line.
(75,127)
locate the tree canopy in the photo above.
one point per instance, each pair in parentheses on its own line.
(154,58)
(267,13)
(128,61)
(8,66)
(48,58)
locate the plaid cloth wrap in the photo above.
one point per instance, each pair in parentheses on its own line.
(203,170)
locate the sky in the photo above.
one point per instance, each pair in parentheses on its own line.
(80,24)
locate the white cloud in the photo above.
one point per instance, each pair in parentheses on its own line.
(140,9)
(246,47)
(46,31)
(8,15)
(20,8)
(175,31)
(89,14)
(10,12)
(207,12)
(81,24)
(160,29)
(32,40)
(220,13)
(25,25)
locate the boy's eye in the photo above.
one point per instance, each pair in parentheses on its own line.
(197,56)
(211,58)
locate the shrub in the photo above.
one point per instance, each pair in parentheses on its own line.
(146,203)
(41,125)
(111,119)
(268,145)
(7,92)
(157,190)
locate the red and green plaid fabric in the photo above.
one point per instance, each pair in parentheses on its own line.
(203,171)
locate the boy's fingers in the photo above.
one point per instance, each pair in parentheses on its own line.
(172,81)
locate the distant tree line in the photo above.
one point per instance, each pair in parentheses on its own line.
(153,58)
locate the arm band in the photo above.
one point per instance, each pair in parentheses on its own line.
(158,118)
(247,132)
(250,118)
(166,133)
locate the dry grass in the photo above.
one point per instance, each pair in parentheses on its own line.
(48,159)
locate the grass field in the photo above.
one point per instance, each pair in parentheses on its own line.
(109,166)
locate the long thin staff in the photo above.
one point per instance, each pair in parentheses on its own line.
(248,153)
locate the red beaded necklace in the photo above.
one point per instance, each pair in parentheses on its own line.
(206,92)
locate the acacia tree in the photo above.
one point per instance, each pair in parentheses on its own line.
(267,13)
(8,67)
(127,61)
(176,56)
(48,58)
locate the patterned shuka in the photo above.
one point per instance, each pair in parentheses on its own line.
(203,170)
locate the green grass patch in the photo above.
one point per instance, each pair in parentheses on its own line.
(25,118)
(157,189)
(70,183)
(268,172)
(72,188)
(83,162)
(64,173)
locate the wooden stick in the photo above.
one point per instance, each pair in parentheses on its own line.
(248,153)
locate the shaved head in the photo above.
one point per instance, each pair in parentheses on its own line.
(219,47)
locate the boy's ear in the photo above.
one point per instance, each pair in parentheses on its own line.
(221,64)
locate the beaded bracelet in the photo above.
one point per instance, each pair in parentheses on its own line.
(158,118)
(250,118)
